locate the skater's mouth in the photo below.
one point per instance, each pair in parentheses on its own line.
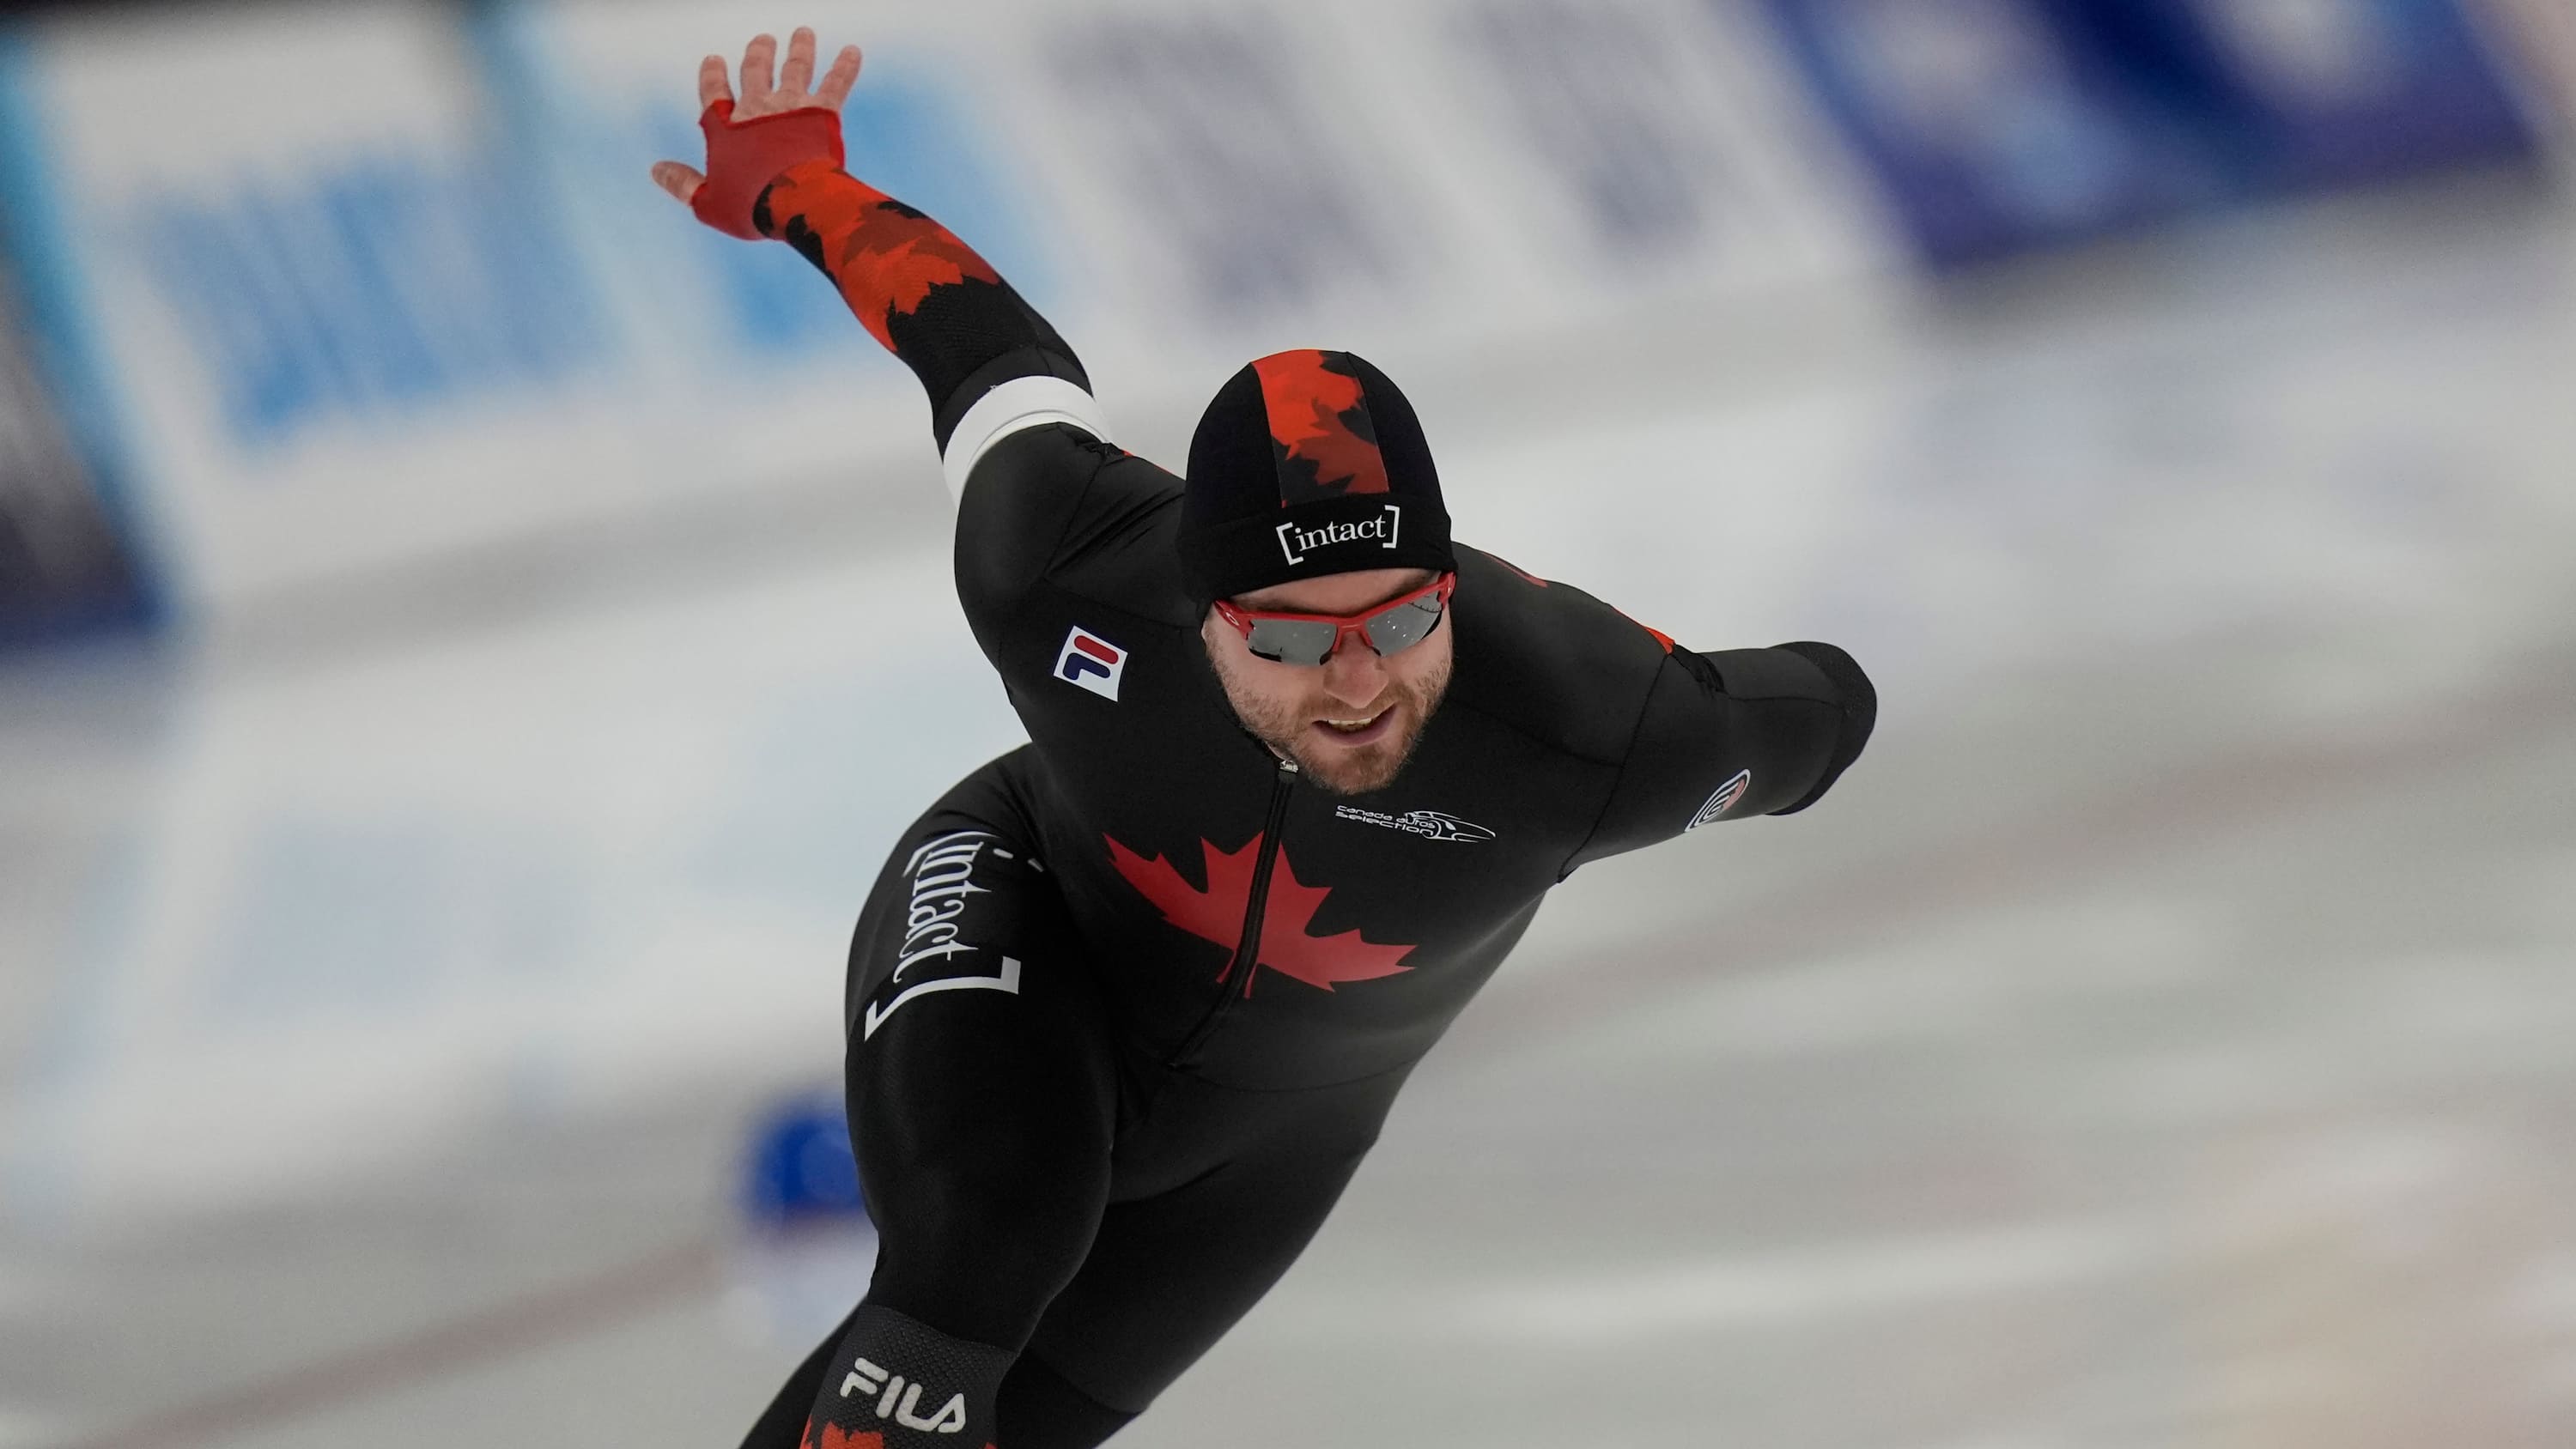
(1358,730)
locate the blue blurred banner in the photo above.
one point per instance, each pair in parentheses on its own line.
(63,568)
(2299,93)
(66,564)
(360,289)
(1988,132)
(2000,125)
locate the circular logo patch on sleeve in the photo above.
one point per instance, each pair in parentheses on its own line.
(1721,802)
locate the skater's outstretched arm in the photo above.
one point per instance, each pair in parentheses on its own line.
(990,363)
(1735,734)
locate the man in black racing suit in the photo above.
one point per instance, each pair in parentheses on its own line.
(1128,1005)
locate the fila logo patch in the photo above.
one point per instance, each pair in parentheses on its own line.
(1091,662)
(901,1401)
(1295,542)
(1723,801)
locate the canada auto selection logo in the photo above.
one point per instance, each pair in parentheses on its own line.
(1429,824)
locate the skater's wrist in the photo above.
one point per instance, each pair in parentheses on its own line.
(745,158)
(813,198)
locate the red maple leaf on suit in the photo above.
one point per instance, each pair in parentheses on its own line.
(1216,914)
(836,1437)
(884,256)
(1306,402)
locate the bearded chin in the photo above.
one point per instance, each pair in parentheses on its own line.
(1356,772)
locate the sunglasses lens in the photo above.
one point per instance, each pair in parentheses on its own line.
(1310,642)
(1405,625)
(1291,641)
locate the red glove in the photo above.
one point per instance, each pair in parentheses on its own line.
(743,157)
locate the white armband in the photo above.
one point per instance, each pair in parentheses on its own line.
(1023,402)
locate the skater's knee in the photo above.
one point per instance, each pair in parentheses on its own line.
(978,1244)
(1042,1409)
(905,1383)
(982,1274)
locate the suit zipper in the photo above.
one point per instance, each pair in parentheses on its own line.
(1236,983)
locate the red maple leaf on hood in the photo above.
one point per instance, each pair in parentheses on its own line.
(884,256)
(1309,406)
(1216,914)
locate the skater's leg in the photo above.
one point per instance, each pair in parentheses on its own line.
(982,1101)
(1039,1410)
(1169,1273)
(982,1089)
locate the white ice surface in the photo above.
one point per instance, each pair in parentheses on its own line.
(2160,1039)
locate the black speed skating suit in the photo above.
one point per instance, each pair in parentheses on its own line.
(1128,1005)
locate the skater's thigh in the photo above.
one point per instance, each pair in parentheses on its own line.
(981,1086)
(1169,1273)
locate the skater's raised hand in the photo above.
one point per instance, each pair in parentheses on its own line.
(774,170)
(777,123)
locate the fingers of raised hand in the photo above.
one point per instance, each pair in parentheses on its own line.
(837,81)
(765,94)
(714,83)
(679,180)
(758,79)
(796,77)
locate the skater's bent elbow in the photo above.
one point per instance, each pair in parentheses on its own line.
(1856,699)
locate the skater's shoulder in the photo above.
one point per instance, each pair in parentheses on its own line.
(1549,659)
(1036,467)
(1059,471)
(1058,509)
(1123,557)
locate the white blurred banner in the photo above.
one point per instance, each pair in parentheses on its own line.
(1176,182)
(339,334)
(373,289)
(377,284)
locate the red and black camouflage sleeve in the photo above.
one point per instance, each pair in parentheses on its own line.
(991,364)
(919,290)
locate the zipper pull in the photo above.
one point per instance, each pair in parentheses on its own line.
(1287,766)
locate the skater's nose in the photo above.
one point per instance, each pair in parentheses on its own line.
(1355,676)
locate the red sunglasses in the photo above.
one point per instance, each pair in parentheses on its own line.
(1310,639)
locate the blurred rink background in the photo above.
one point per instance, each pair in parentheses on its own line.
(470,635)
